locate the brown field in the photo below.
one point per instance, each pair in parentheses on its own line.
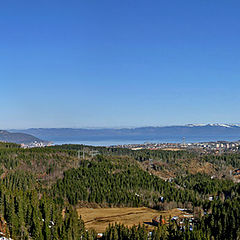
(99,218)
(172,149)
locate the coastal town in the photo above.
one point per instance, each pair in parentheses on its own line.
(217,147)
(36,144)
(207,147)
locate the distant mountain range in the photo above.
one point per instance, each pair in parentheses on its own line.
(18,137)
(144,133)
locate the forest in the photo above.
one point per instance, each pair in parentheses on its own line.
(41,188)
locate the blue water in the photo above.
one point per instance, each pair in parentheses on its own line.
(112,142)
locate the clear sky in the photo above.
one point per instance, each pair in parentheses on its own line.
(99,63)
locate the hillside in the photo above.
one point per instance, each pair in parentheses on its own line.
(44,189)
(169,164)
(19,138)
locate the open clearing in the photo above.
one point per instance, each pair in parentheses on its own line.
(99,218)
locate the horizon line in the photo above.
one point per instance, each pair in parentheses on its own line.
(129,127)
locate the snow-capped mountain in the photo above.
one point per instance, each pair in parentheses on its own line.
(214,125)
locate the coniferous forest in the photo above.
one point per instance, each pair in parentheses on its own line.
(41,188)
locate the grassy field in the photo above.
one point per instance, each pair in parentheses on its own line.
(99,218)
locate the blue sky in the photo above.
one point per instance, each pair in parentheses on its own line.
(119,63)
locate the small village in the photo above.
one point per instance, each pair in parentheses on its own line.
(217,147)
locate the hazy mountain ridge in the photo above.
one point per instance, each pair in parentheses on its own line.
(18,137)
(191,130)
